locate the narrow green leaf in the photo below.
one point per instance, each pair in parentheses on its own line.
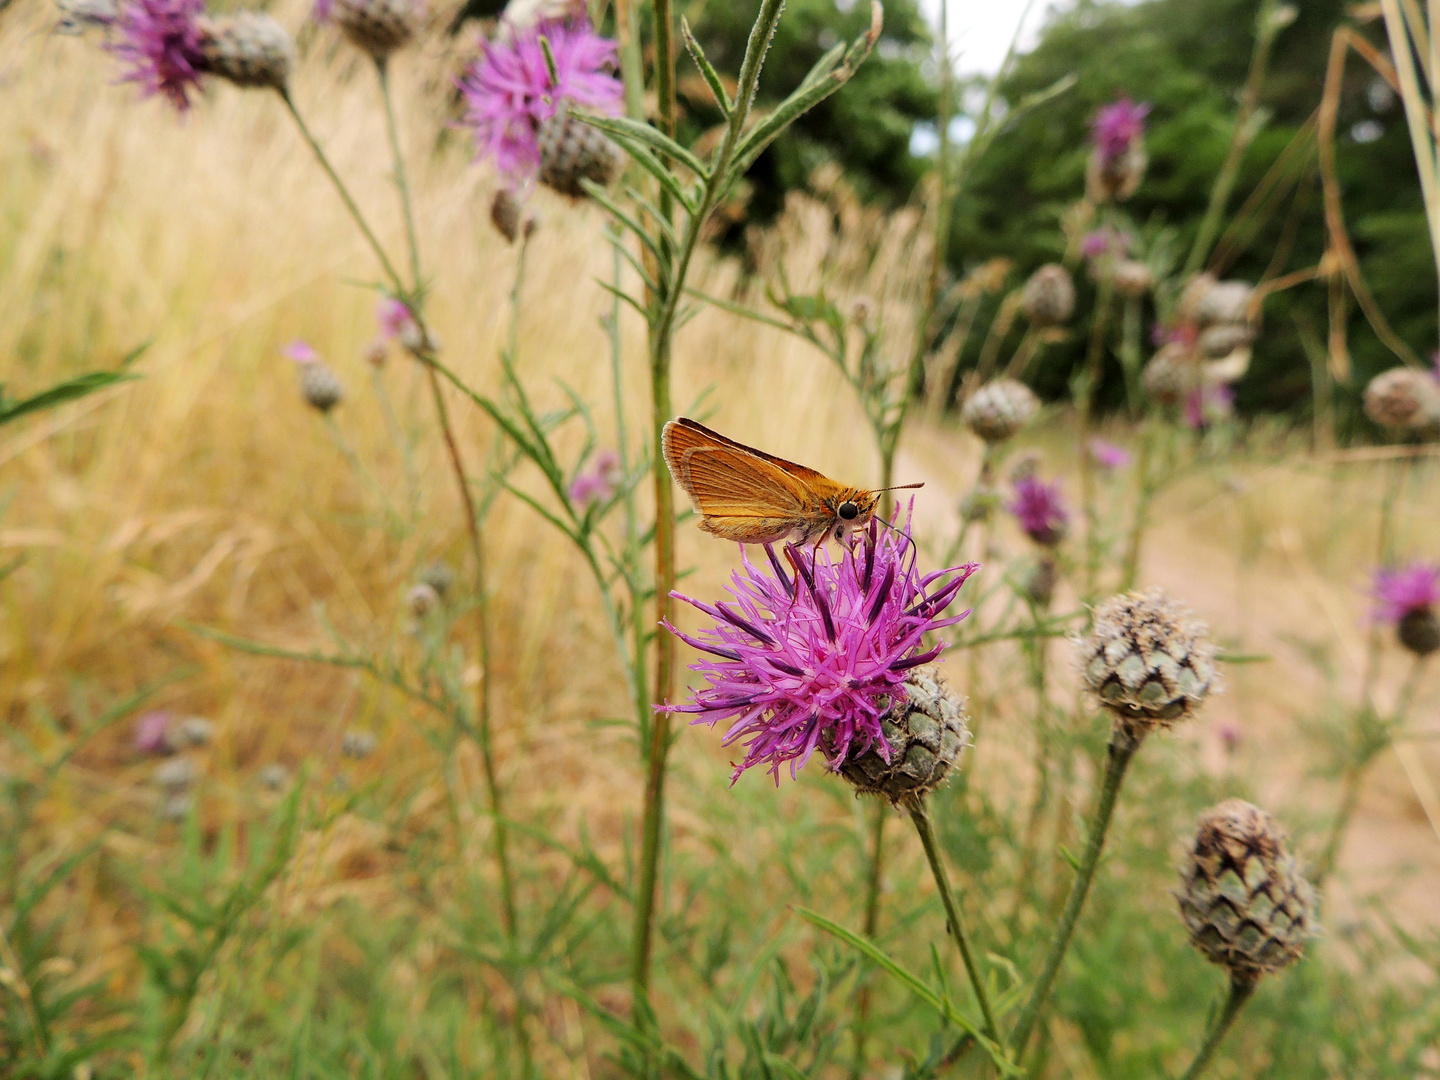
(623,129)
(712,77)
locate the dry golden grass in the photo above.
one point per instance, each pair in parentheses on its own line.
(207,493)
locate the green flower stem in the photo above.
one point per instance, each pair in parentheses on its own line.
(920,814)
(382,71)
(1094,373)
(1131,332)
(875,868)
(1123,744)
(344,193)
(1146,488)
(1240,991)
(661,331)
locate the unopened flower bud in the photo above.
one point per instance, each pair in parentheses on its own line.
(248,48)
(1241,895)
(1133,278)
(572,151)
(999,409)
(378,27)
(358,744)
(505,213)
(1404,399)
(926,734)
(1225,302)
(1049,296)
(422,599)
(1147,660)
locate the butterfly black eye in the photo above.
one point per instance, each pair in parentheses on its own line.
(848,510)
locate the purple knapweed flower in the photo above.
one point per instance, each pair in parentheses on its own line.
(1405,591)
(812,662)
(1040,509)
(1116,127)
(159,41)
(394,317)
(1230,735)
(1206,405)
(597,484)
(1103,241)
(152,733)
(1107,455)
(302,352)
(508,92)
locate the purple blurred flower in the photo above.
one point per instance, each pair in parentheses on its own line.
(1230,736)
(159,40)
(1403,592)
(152,733)
(1208,404)
(394,317)
(599,483)
(1107,455)
(1040,509)
(813,662)
(508,93)
(302,352)
(1116,127)
(1105,240)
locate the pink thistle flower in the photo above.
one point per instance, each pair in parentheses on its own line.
(152,733)
(1103,241)
(1116,128)
(812,662)
(1040,509)
(1207,405)
(302,352)
(160,42)
(1107,455)
(1404,592)
(394,317)
(508,92)
(1230,736)
(599,483)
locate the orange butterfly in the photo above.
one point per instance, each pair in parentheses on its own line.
(753,497)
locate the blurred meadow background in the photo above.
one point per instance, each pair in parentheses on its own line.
(220,858)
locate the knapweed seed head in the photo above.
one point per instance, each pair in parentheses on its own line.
(1040,509)
(159,42)
(1223,339)
(924,736)
(1133,278)
(1404,400)
(1049,296)
(378,27)
(1224,302)
(1408,599)
(509,95)
(1000,408)
(1172,373)
(421,599)
(1147,660)
(814,657)
(1242,897)
(248,49)
(319,386)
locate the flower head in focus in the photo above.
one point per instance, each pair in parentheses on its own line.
(597,484)
(1116,128)
(813,661)
(1403,592)
(1040,509)
(160,41)
(1107,455)
(509,94)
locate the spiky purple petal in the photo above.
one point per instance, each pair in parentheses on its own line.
(159,42)
(1404,591)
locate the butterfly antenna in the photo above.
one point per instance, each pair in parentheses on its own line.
(898,487)
(898,532)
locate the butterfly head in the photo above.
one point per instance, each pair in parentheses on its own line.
(851,508)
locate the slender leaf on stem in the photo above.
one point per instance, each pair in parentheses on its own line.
(621,127)
(707,70)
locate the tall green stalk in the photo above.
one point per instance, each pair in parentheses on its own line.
(484,692)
